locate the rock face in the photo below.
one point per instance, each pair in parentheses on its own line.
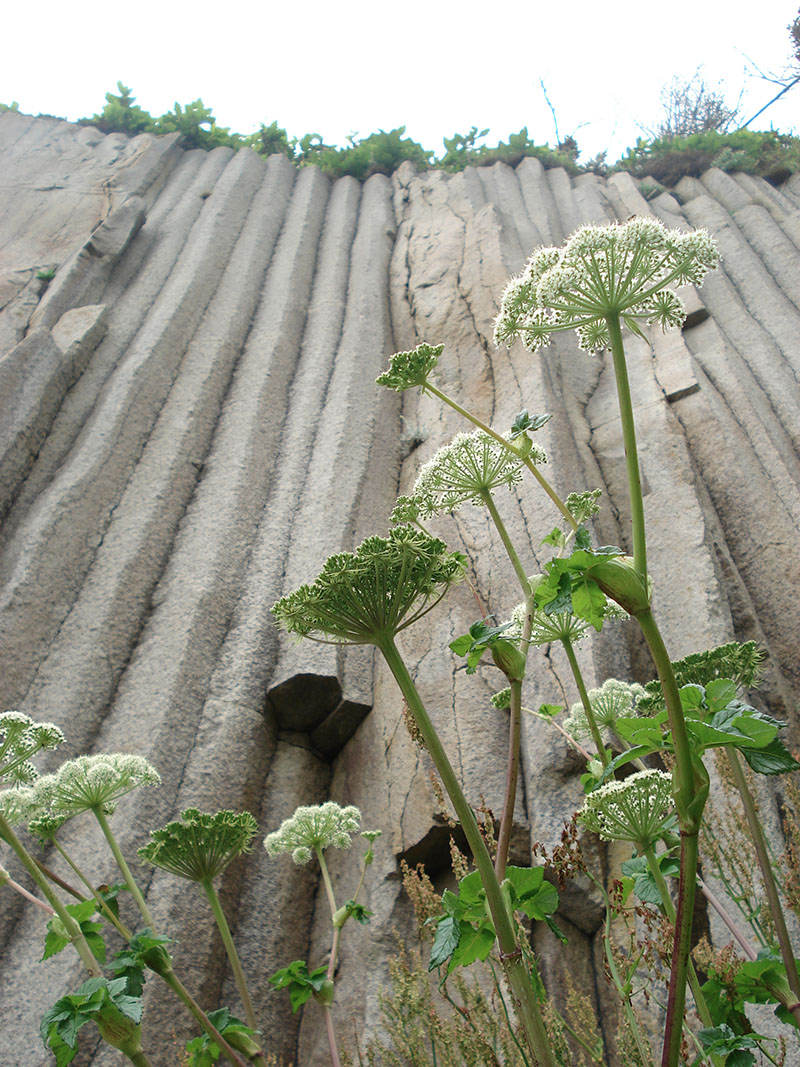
(189,426)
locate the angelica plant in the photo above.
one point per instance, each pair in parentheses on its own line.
(306,833)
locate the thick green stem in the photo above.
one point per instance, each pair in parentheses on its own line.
(540,478)
(773,899)
(124,868)
(514,740)
(181,992)
(522,990)
(101,904)
(326,878)
(510,550)
(690,791)
(73,930)
(690,796)
(676,1001)
(669,911)
(629,443)
(233,955)
(587,704)
(512,777)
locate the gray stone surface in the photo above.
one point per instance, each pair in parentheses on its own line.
(189,426)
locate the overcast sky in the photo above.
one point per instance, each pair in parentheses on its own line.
(435,66)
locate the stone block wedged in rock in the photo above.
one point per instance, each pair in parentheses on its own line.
(352,472)
(246,660)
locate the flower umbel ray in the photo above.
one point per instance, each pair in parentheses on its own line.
(368,596)
(626,271)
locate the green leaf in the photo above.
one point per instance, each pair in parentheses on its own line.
(692,697)
(63,1052)
(557,538)
(53,944)
(301,983)
(359,912)
(83,910)
(448,934)
(473,944)
(549,711)
(640,731)
(774,758)
(583,538)
(719,693)
(589,601)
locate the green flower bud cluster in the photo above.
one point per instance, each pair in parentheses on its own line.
(21,738)
(408,370)
(312,828)
(369,595)
(618,270)
(200,846)
(635,809)
(471,465)
(613,700)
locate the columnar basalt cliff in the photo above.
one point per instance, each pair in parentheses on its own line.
(189,425)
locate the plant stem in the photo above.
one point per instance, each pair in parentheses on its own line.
(512,776)
(540,478)
(6,879)
(779,922)
(514,741)
(233,955)
(522,990)
(624,993)
(334,1050)
(171,979)
(75,935)
(587,704)
(101,904)
(669,911)
(326,879)
(124,868)
(510,550)
(728,919)
(690,791)
(629,443)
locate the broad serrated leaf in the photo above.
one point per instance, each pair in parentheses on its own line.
(474,943)
(589,602)
(53,944)
(692,697)
(774,758)
(719,693)
(448,933)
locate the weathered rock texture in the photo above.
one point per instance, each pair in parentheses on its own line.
(189,426)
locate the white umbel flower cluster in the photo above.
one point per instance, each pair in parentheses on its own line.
(461,472)
(635,809)
(625,271)
(21,738)
(92,783)
(613,700)
(314,828)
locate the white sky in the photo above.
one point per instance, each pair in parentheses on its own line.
(436,66)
